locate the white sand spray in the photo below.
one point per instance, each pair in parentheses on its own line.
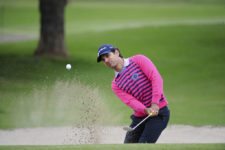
(69,103)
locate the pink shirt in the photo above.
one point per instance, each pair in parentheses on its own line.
(139,84)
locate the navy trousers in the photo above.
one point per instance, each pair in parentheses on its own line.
(150,130)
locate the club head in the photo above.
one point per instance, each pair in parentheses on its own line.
(129,129)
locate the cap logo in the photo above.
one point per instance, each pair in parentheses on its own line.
(101,50)
(104,48)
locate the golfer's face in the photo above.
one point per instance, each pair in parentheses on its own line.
(110,59)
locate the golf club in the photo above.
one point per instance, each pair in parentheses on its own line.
(129,129)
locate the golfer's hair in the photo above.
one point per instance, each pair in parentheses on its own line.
(120,55)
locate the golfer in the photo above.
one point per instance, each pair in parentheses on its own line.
(138,84)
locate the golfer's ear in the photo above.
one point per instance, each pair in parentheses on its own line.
(117,52)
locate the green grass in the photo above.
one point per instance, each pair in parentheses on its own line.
(184,40)
(124,147)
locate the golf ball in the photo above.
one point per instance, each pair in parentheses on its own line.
(68,66)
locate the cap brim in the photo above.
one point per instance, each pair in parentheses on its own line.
(99,59)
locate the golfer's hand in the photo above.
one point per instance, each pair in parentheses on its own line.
(153,110)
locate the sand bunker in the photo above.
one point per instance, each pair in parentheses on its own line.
(106,135)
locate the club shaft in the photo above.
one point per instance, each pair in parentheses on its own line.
(142,121)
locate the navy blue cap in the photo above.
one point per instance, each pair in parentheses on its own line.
(104,49)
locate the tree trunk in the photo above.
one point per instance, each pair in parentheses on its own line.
(51,42)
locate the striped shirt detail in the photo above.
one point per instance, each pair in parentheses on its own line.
(128,70)
(133,81)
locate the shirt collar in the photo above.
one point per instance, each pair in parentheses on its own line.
(126,63)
